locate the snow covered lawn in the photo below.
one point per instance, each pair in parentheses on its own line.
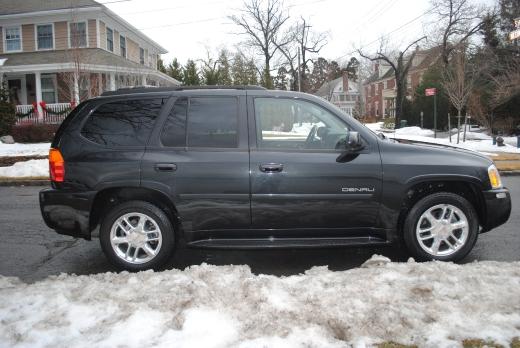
(31,168)
(474,141)
(39,149)
(429,304)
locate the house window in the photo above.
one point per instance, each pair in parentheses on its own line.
(110,40)
(122,46)
(78,34)
(48,89)
(13,39)
(44,37)
(141,55)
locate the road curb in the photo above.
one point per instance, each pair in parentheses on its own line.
(510,172)
(21,182)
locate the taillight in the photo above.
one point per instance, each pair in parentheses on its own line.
(56,165)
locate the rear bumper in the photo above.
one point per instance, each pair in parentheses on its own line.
(67,212)
(498,208)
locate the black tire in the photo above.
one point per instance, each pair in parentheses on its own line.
(412,219)
(160,218)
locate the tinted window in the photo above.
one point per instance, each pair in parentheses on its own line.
(174,130)
(213,122)
(123,123)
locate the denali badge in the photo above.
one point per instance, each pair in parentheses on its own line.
(357,189)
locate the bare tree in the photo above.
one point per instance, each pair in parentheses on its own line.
(400,64)
(300,38)
(459,80)
(458,21)
(506,84)
(262,21)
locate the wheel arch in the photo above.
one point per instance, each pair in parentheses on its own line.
(112,196)
(468,187)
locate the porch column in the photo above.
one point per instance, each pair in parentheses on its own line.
(100,83)
(38,83)
(112,82)
(143,80)
(75,86)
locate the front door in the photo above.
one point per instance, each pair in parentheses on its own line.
(17,92)
(300,181)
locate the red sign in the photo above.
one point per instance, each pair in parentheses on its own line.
(430,91)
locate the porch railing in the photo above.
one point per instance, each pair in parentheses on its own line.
(52,114)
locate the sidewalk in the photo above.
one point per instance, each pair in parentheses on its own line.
(507,163)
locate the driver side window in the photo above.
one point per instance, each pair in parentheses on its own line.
(293,124)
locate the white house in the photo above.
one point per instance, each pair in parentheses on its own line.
(341,92)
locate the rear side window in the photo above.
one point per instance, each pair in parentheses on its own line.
(123,122)
(213,122)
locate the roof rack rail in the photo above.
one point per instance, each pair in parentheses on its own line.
(144,89)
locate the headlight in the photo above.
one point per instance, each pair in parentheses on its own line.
(494,177)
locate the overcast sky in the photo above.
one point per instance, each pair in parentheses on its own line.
(186,28)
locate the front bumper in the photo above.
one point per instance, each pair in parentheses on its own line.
(498,208)
(67,212)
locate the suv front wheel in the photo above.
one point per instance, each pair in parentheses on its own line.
(442,226)
(137,236)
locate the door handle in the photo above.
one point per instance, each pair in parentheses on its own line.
(271,167)
(165,167)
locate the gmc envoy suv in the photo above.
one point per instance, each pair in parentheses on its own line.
(149,169)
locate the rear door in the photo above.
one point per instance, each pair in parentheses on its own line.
(300,181)
(199,157)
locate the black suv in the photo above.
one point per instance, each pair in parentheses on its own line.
(147,169)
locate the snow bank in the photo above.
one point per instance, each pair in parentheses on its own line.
(429,304)
(414,131)
(39,149)
(31,168)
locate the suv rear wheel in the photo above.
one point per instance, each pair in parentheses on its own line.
(136,236)
(442,226)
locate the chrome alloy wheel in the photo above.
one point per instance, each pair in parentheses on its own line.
(442,230)
(135,238)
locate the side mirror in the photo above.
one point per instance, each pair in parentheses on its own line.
(354,142)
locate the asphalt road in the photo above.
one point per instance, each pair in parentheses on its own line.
(31,251)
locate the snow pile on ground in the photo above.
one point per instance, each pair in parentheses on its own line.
(38,149)
(414,131)
(31,168)
(429,304)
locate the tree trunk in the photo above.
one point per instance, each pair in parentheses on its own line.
(459,114)
(398,103)
(267,73)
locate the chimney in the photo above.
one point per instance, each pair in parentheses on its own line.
(345,82)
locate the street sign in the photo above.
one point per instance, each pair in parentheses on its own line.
(430,91)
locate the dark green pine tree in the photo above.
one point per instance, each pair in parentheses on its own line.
(160,66)
(238,70)
(7,111)
(174,70)
(190,74)
(224,69)
(252,73)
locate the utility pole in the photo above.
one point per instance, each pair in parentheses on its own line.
(299,73)
(433,92)
(422,118)
(435,115)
